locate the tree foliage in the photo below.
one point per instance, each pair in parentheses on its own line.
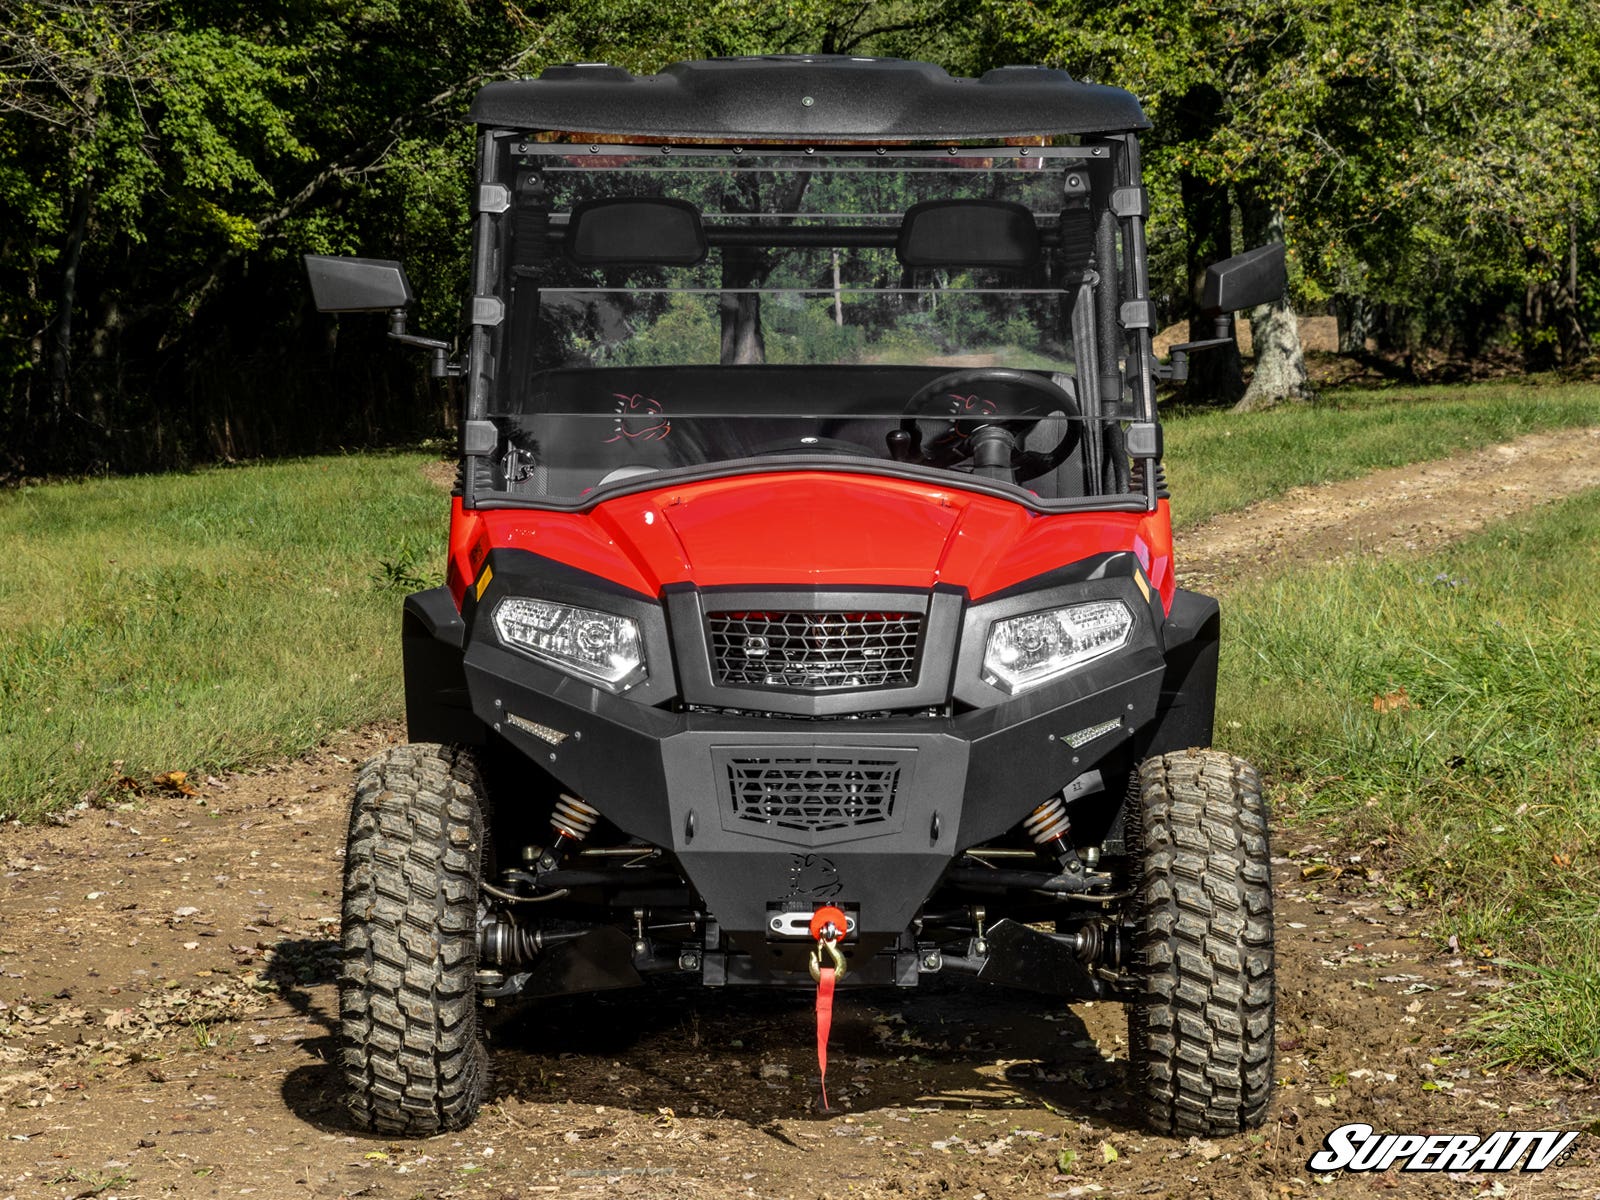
(164,163)
(1438,160)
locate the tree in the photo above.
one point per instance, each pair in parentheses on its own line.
(1280,364)
(1428,161)
(1187,63)
(1431,159)
(164,163)
(169,160)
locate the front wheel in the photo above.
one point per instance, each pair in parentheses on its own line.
(408,1013)
(1200,1036)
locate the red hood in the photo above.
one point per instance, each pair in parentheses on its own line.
(811,529)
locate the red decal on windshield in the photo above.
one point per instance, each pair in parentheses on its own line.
(639,418)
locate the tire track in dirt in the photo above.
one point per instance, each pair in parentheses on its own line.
(1398,510)
(168,1017)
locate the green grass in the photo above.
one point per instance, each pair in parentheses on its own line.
(1479,786)
(1218,460)
(202,621)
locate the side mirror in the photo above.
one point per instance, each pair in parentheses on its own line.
(1255,277)
(357,284)
(1245,280)
(374,285)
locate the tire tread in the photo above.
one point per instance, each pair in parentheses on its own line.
(412,1060)
(1200,1036)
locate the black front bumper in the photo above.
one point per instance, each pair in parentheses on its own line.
(670,777)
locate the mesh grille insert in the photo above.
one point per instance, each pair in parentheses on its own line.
(812,793)
(814,651)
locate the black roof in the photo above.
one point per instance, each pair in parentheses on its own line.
(808,98)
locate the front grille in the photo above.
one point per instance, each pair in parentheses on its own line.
(812,793)
(814,651)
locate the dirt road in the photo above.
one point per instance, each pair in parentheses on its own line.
(1396,511)
(167,1028)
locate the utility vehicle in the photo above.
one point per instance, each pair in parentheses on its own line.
(810,610)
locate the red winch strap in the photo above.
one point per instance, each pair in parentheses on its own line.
(824,1026)
(828,925)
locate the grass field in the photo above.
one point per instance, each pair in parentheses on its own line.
(1445,712)
(1218,461)
(193,622)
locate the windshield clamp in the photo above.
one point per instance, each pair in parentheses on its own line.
(1130,202)
(488,310)
(479,439)
(493,198)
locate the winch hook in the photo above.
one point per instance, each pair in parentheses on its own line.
(828,925)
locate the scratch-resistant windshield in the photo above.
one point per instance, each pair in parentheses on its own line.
(675,307)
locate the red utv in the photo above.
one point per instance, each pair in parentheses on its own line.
(810,610)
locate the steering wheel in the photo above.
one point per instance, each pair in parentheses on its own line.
(948,427)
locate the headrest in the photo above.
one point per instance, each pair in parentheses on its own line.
(636,232)
(969,233)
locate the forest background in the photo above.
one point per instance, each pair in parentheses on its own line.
(1433,167)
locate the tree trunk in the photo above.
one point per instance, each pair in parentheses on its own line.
(1280,372)
(1575,343)
(1215,376)
(1355,323)
(740,310)
(1539,341)
(744,268)
(66,302)
(838,296)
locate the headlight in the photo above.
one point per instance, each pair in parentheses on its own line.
(1024,652)
(599,647)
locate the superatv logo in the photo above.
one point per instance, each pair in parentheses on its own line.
(1356,1147)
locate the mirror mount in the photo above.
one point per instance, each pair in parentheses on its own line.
(440,364)
(1177,371)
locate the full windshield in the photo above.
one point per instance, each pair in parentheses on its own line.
(663,308)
